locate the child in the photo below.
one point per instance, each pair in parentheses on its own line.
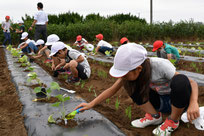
(102,45)
(29,45)
(6,26)
(40,45)
(20,30)
(124,40)
(77,63)
(82,43)
(154,85)
(165,50)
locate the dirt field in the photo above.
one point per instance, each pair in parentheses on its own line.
(11,121)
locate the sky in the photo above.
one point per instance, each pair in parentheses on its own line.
(163,10)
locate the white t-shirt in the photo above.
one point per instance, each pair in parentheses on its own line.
(104,43)
(41,17)
(74,54)
(162,73)
(6,26)
(82,43)
(28,41)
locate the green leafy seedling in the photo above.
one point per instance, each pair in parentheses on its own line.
(62,99)
(90,87)
(82,83)
(108,100)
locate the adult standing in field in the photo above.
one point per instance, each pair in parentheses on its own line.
(166,51)
(6,26)
(20,30)
(102,45)
(154,85)
(40,22)
(75,61)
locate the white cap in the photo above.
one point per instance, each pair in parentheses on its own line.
(20,22)
(128,57)
(24,35)
(56,47)
(52,39)
(39,42)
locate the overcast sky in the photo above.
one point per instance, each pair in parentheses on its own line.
(163,10)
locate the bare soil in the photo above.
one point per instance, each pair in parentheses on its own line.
(11,120)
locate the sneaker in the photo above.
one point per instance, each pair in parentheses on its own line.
(68,72)
(146,121)
(166,128)
(72,79)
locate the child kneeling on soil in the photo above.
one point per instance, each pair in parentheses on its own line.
(154,85)
(166,51)
(102,45)
(29,45)
(77,63)
(83,44)
(40,44)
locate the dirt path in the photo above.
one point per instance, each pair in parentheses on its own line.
(11,121)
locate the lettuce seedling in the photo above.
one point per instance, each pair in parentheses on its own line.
(30,68)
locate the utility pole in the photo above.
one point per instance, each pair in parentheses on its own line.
(151,16)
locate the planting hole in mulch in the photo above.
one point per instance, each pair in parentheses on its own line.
(70,123)
(46,100)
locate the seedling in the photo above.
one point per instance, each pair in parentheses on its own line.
(90,87)
(77,83)
(65,76)
(82,83)
(128,112)
(108,53)
(15,52)
(53,86)
(62,100)
(30,68)
(117,103)
(9,47)
(33,77)
(94,92)
(173,61)
(23,59)
(108,100)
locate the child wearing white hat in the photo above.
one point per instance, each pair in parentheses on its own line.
(40,44)
(75,61)
(29,45)
(154,85)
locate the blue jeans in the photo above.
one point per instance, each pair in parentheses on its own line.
(103,49)
(7,37)
(31,47)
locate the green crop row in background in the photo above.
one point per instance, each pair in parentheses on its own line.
(69,25)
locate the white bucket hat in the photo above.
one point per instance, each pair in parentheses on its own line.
(56,47)
(39,42)
(199,122)
(52,39)
(127,58)
(24,35)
